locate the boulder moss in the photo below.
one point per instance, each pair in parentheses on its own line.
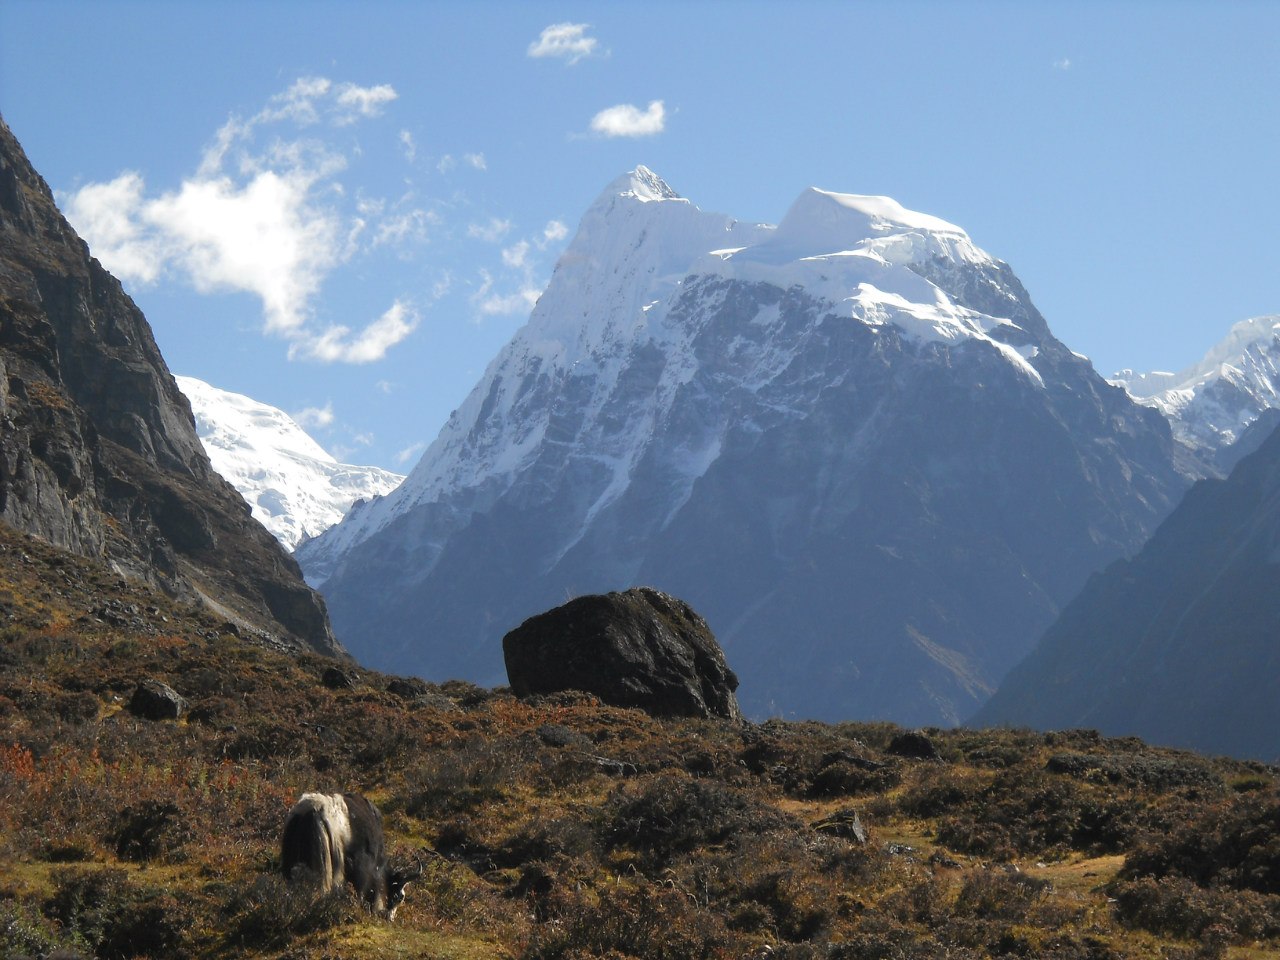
(641,648)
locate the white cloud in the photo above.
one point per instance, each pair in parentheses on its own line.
(355,102)
(270,220)
(108,213)
(514,256)
(491,304)
(385,387)
(263,237)
(410,452)
(412,225)
(310,418)
(410,146)
(1063,64)
(371,344)
(554,231)
(626,120)
(476,161)
(447,163)
(490,232)
(567,40)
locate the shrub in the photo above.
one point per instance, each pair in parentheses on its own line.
(270,912)
(1230,844)
(150,830)
(647,923)
(114,918)
(675,815)
(475,771)
(1176,907)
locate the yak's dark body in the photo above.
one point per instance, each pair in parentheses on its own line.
(337,838)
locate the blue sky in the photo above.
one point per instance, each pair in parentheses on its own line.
(345,210)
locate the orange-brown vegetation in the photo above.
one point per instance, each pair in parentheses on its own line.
(561,828)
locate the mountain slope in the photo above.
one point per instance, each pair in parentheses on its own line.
(1177,645)
(850,442)
(1212,402)
(295,488)
(98,450)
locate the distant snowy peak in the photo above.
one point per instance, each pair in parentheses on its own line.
(294,487)
(645,185)
(1212,402)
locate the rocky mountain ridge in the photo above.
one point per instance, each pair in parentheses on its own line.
(98,449)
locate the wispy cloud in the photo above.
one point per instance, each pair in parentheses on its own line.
(265,219)
(490,232)
(490,303)
(521,278)
(372,343)
(567,41)
(626,120)
(514,255)
(411,452)
(309,418)
(409,145)
(1063,64)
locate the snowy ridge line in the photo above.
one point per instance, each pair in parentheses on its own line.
(1213,401)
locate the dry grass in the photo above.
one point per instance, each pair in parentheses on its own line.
(568,829)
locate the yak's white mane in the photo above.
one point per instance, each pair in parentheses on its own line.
(336,824)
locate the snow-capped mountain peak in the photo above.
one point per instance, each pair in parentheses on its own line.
(617,288)
(295,488)
(1211,402)
(845,439)
(644,185)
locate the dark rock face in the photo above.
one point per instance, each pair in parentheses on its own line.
(640,649)
(1177,645)
(153,700)
(98,449)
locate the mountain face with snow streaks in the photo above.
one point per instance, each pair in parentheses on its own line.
(295,488)
(849,441)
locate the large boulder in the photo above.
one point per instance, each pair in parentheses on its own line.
(153,700)
(641,648)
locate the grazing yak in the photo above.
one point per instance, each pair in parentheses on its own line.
(336,838)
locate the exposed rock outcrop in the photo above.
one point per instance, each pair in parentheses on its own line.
(640,648)
(98,448)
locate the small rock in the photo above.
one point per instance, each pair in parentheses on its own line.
(408,688)
(153,700)
(337,679)
(914,745)
(555,735)
(843,823)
